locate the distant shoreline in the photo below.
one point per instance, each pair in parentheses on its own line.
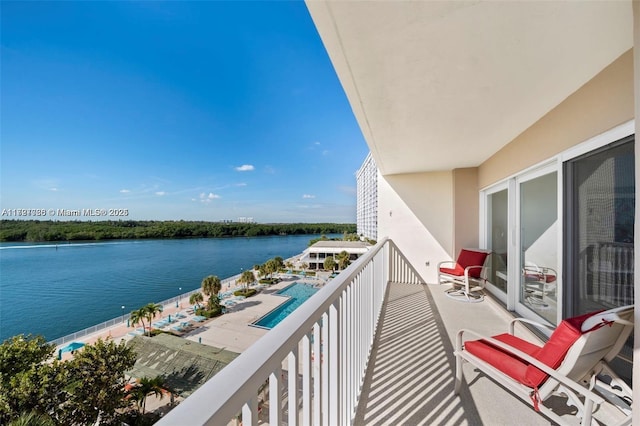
(76,231)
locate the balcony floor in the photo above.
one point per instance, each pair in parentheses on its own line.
(412,369)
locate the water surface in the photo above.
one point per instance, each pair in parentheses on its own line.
(54,290)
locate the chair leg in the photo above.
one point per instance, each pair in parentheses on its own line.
(458,382)
(588,409)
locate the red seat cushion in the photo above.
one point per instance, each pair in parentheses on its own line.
(510,365)
(457,271)
(467,258)
(537,277)
(551,354)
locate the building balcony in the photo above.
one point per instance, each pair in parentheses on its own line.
(372,347)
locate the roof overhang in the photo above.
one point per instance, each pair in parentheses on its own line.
(441,85)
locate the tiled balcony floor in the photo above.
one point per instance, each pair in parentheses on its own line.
(411,376)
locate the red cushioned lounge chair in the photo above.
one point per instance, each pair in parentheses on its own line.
(465,275)
(570,363)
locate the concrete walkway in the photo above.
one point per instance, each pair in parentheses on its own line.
(411,377)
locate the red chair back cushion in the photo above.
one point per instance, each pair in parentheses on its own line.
(472,258)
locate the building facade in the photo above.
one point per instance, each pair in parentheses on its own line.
(315,255)
(367,199)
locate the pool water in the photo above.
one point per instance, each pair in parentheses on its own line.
(297,293)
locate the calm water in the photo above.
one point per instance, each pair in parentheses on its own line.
(57,290)
(298,294)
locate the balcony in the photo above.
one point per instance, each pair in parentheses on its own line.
(373,347)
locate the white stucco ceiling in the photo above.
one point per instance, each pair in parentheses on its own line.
(438,85)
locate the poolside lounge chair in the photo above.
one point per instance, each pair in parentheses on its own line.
(465,275)
(572,363)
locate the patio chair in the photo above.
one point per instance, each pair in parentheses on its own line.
(573,362)
(539,284)
(465,274)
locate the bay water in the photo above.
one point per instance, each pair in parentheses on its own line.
(56,289)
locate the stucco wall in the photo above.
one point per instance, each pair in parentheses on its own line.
(466,205)
(603,103)
(416,211)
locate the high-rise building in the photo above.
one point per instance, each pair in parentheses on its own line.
(367,199)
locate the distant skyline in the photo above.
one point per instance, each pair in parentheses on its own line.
(178,110)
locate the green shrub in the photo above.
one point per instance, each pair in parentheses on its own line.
(245,292)
(209,313)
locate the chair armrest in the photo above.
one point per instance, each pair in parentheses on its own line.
(513,322)
(468,268)
(576,387)
(453,262)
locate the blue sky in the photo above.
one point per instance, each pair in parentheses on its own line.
(176,110)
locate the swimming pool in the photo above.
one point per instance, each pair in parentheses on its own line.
(297,293)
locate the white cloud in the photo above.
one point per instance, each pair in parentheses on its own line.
(241,184)
(308,196)
(53,189)
(124,191)
(325,152)
(161,193)
(245,168)
(207,198)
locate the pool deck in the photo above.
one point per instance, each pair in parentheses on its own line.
(233,330)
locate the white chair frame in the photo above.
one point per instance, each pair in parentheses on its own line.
(577,378)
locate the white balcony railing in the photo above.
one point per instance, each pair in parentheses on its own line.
(310,367)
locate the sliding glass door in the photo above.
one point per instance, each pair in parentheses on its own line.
(599,257)
(538,245)
(497,231)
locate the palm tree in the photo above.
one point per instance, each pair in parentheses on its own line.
(247,278)
(329,263)
(195,299)
(279,263)
(343,259)
(271,266)
(151,310)
(262,270)
(211,286)
(145,387)
(138,316)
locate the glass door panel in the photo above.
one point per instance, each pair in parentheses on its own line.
(599,254)
(497,238)
(538,246)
